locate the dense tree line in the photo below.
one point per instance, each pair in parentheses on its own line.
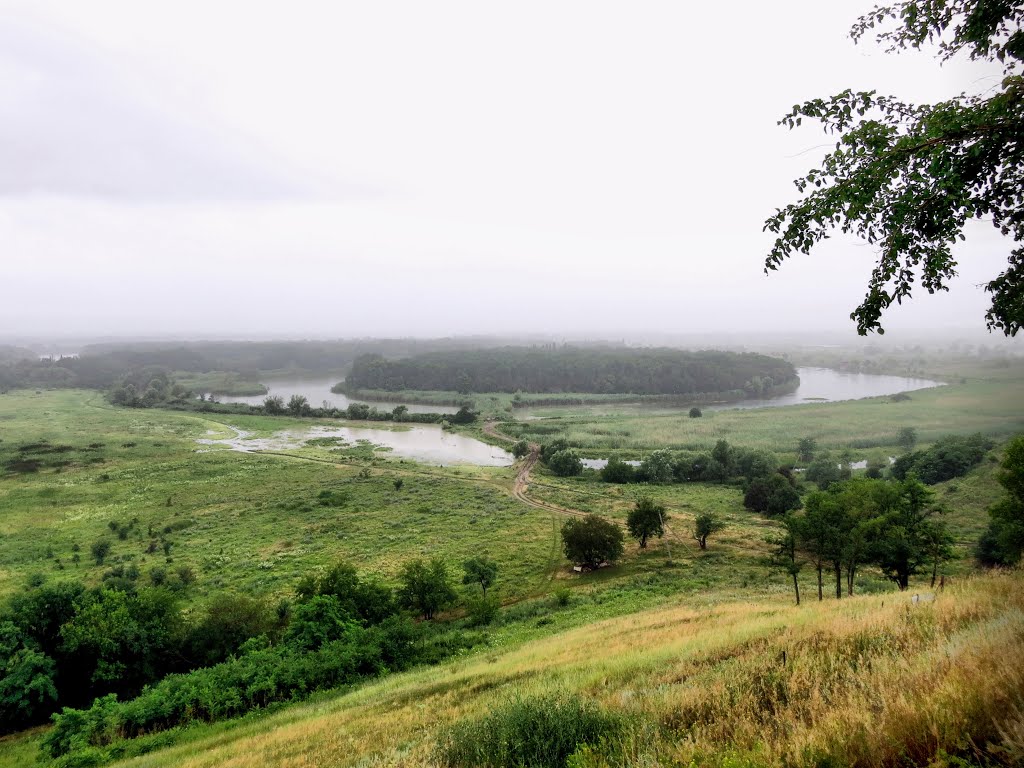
(893,525)
(1003,541)
(102,366)
(768,486)
(948,457)
(120,659)
(162,392)
(574,369)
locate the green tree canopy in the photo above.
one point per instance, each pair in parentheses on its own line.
(906,177)
(426,587)
(705,525)
(646,519)
(565,463)
(480,570)
(1003,543)
(591,540)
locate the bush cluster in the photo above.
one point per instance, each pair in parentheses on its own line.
(542,732)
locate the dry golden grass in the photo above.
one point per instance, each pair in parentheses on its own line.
(873,680)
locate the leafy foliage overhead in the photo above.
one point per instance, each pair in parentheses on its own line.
(907,177)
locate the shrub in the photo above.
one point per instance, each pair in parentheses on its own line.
(482,609)
(949,457)
(658,467)
(541,732)
(565,463)
(695,413)
(618,471)
(100,549)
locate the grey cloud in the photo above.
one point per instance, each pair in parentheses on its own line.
(72,125)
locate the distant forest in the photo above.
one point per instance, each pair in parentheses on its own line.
(100,366)
(573,369)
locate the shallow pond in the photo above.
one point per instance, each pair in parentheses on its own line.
(427,443)
(318,391)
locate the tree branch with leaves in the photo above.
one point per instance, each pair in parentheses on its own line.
(907,178)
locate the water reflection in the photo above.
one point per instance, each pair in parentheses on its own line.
(318,391)
(428,444)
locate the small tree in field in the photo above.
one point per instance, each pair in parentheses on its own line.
(273,405)
(805,449)
(520,449)
(426,587)
(100,549)
(565,463)
(695,413)
(907,438)
(480,570)
(705,525)
(298,405)
(646,519)
(591,540)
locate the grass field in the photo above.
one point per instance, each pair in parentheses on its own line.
(247,522)
(868,426)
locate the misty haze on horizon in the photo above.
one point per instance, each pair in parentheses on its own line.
(551,172)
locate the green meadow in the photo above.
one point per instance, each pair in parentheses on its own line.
(208,519)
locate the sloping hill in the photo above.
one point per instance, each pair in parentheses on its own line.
(872,680)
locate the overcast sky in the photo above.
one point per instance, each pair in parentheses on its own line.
(343,168)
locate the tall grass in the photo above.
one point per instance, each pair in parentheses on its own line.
(869,681)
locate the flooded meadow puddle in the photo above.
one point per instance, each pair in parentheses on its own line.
(427,444)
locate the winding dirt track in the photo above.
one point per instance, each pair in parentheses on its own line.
(521,484)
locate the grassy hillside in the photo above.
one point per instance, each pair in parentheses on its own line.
(683,648)
(873,680)
(247,522)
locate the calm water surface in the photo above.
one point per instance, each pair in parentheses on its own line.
(425,443)
(318,391)
(827,385)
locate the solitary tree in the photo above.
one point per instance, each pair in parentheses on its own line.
(565,463)
(646,519)
(100,549)
(480,570)
(784,553)
(906,178)
(805,449)
(907,438)
(298,405)
(695,413)
(273,405)
(426,587)
(705,525)
(591,540)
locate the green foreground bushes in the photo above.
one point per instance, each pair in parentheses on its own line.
(542,731)
(259,676)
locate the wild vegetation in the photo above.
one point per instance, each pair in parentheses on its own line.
(116,525)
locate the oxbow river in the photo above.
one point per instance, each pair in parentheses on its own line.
(432,445)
